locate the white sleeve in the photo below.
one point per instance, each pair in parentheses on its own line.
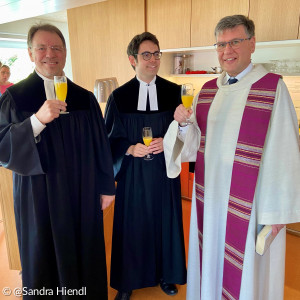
(182,132)
(37,126)
(278,189)
(172,149)
(181,145)
(192,137)
(176,151)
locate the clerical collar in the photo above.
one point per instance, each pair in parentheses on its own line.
(49,86)
(240,75)
(145,89)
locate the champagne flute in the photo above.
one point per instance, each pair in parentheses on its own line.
(147,138)
(61,88)
(187,96)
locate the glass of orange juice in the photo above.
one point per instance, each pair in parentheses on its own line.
(187,96)
(61,89)
(147,138)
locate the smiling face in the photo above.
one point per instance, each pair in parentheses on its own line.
(146,69)
(50,61)
(234,61)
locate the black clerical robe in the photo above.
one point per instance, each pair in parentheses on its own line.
(57,184)
(148,239)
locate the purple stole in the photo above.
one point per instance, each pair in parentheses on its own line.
(248,153)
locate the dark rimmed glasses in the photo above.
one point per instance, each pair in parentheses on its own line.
(147,55)
(234,44)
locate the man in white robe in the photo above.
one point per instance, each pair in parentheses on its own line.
(277,193)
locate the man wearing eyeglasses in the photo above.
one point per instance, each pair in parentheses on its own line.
(244,140)
(148,245)
(63,176)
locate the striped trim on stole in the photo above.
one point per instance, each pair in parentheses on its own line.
(248,153)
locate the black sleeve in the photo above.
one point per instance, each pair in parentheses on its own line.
(104,159)
(18,151)
(116,133)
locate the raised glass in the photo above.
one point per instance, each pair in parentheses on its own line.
(61,89)
(187,96)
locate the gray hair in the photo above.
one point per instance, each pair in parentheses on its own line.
(43,27)
(230,22)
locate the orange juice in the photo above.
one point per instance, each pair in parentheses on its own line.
(61,90)
(147,140)
(187,100)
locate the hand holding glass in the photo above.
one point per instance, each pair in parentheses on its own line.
(187,96)
(147,138)
(61,88)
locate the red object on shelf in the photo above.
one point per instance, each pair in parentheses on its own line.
(196,72)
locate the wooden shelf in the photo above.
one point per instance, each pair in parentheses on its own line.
(204,58)
(288,74)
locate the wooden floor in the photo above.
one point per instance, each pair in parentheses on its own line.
(12,279)
(8,278)
(147,293)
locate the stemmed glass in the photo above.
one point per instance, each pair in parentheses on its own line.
(147,138)
(61,88)
(187,96)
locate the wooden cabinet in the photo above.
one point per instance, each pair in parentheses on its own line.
(99,36)
(7,208)
(275,19)
(292,266)
(100,33)
(186,181)
(188,23)
(191,23)
(170,21)
(206,15)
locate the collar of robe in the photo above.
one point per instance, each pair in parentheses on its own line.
(147,89)
(49,86)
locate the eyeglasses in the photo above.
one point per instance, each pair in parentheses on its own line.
(43,49)
(234,44)
(147,55)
